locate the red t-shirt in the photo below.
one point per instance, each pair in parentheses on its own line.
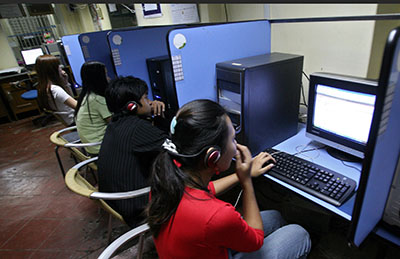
(204,227)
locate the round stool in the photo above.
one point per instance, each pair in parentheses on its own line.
(29,95)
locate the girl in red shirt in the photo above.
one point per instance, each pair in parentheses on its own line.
(184,215)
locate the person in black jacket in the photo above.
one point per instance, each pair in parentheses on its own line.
(130,145)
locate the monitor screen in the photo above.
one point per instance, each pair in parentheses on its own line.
(340,111)
(30,55)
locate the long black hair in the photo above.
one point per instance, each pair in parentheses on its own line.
(94,80)
(199,124)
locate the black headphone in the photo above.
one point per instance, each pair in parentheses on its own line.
(131,106)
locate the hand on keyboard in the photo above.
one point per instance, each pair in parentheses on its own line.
(262,163)
(314,179)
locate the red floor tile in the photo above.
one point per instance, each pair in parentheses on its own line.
(69,234)
(73,254)
(15,254)
(9,227)
(50,186)
(20,207)
(40,217)
(18,186)
(46,254)
(32,235)
(61,254)
(70,206)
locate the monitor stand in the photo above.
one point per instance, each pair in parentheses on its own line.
(338,154)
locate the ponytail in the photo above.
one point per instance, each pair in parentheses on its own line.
(167,187)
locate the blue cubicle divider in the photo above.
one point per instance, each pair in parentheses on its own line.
(95,48)
(383,147)
(74,55)
(131,48)
(198,49)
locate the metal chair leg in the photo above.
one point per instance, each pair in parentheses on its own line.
(109,228)
(94,176)
(59,161)
(140,246)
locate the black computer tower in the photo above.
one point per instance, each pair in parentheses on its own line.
(261,95)
(162,84)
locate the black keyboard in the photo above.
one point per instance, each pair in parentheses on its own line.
(314,179)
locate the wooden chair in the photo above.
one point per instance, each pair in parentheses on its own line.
(69,138)
(78,184)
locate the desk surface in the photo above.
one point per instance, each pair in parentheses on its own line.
(11,76)
(321,157)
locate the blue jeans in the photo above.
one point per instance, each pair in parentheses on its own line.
(280,241)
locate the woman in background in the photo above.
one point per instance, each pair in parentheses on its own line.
(92,114)
(54,92)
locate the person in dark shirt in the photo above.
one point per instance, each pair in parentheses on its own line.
(130,144)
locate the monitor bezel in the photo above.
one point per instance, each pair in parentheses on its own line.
(354,84)
(27,50)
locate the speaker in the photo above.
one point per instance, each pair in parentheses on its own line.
(212,157)
(131,106)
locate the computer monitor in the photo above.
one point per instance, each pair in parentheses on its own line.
(30,55)
(340,110)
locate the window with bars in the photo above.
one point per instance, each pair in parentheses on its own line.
(29,32)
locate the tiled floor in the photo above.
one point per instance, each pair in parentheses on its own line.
(41,218)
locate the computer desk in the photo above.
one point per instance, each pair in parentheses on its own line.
(321,157)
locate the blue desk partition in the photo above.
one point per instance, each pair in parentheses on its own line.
(207,45)
(383,149)
(131,48)
(95,48)
(74,55)
(321,157)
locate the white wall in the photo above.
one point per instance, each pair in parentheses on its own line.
(7,59)
(381,32)
(243,12)
(337,47)
(279,11)
(212,13)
